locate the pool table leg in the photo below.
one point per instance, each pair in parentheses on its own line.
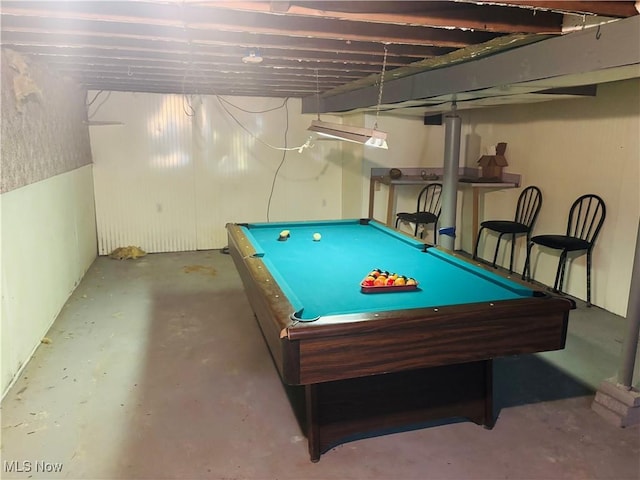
(482,413)
(489,418)
(338,410)
(313,428)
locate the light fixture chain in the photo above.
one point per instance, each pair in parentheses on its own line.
(384,67)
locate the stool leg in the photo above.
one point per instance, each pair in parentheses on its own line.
(495,254)
(513,244)
(475,249)
(528,241)
(526,273)
(588,278)
(560,273)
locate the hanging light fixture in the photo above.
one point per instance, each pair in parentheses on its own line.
(371,137)
(366,136)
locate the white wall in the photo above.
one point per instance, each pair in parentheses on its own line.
(567,148)
(48,243)
(48,221)
(178,170)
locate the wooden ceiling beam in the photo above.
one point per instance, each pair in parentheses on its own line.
(191,83)
(493,19)
(27,37)
(323,28)
(279,6)
(337,69)
(101,53)
(191,86)
(195,17)
(127,84)
(182,76)
(89,63)
(609,8)
(275,93)
(12,25)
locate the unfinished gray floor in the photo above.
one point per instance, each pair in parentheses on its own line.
(157,369)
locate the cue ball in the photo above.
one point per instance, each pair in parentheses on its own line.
(316,237)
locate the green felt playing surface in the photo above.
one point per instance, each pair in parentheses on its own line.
(322,278)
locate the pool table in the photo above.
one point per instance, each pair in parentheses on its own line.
(357,363)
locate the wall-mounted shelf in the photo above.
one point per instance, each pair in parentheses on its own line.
(467,177)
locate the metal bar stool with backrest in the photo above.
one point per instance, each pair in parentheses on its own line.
(527,209)
(586,217)
(427,209)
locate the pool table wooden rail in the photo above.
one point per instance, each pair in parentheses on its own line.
(268,301)
(422,338)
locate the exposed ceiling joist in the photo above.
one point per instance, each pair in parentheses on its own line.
(305,47)
(472,17)
(604,8)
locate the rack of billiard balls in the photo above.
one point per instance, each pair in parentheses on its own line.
(378,281)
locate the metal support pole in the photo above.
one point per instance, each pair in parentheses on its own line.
(450,181)
(630,347)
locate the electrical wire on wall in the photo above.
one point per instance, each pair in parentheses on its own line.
(224,102)
(90,116)
(284,155)
(284,149)
(187,106)
(192,70)
(299,148)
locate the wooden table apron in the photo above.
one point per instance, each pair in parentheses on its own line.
(367,372)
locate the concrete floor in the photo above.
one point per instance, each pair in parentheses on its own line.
(157,369)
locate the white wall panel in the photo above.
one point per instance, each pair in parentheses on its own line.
(175,173)
(48,243)
(144,173)
(238,166)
